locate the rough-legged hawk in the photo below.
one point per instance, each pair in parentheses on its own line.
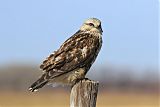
(74,57)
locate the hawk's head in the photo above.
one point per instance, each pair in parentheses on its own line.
(92,24)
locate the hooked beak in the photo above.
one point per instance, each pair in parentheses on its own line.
(100,28)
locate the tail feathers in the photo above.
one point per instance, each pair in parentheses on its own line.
(38,84)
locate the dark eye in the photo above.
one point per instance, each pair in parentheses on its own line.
(90,24)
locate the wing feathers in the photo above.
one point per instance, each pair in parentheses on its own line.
(77,51)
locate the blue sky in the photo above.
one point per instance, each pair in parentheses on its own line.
(31,29)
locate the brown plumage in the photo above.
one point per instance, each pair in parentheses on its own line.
(74,57)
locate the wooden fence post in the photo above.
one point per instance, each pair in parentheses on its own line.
(84,94)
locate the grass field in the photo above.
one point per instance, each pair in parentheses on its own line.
(61,99)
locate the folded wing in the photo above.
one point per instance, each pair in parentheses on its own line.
(78,51)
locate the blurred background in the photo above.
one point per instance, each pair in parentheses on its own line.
(127,66)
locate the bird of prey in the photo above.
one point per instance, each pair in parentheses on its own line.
(74,58)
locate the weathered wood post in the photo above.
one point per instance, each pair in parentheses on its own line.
(84,94)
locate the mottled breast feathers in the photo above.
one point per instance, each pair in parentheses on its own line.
(80,50)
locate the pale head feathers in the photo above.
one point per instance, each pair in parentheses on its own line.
(93,25)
